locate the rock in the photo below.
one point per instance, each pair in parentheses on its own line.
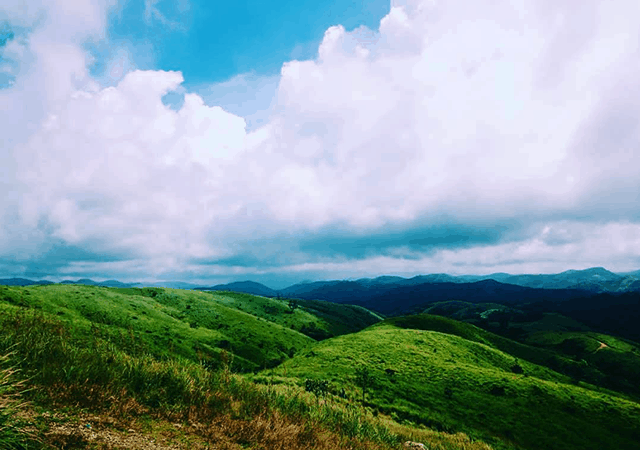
(415,445)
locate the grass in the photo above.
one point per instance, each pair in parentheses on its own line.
(554,360)
(314,318)
(454,377)
(555,341)
(81,350)
(192,324)
(616,360)
(12,432)
(66,369)
(156,358)
(259,332)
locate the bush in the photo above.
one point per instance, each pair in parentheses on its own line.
(364,380)
(318,387)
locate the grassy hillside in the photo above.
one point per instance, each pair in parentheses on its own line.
(83,386)
(152,358)
(617,359)
(117,368)
(257,332)
(316,319)
(165,321)
(456,377)
(569,346)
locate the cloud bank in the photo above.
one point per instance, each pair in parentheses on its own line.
(461,138)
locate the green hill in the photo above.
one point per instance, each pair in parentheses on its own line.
(316,319)
(569,346)
(153,368)
(167,357)
(258,332)
(456,377)
(616,359)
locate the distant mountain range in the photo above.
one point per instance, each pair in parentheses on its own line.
(597,297)
(395,298)
(107,283)
(596,279)
(22,282)
(593,280)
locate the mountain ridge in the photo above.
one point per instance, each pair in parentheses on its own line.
(594,279)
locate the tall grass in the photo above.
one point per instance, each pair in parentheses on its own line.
(12,434)
(67,367)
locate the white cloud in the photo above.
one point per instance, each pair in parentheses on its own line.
(48,65)
(475,112)
(120,167)
(615,246)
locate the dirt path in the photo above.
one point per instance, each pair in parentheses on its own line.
(602,345)
(68,435)
(81,431)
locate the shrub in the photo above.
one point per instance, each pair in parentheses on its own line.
(364,379)
(318,387)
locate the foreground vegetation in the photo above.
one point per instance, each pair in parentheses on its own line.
(88,362)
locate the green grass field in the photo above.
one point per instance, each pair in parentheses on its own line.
(455,377)
(616,360)
(245,365)
(258,332)
(560,342)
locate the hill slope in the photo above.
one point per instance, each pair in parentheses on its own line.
(393,299)
(134,368)
(453,376)
(259,332)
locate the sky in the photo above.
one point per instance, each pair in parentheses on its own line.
(210,142)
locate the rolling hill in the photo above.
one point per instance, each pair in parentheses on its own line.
(456,377)
(257,331)
(605,360)
(129,363)
(172,353)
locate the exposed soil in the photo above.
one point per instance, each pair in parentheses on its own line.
(602,345)
(82,431)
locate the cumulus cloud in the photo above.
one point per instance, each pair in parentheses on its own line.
(457,137)
(118,166)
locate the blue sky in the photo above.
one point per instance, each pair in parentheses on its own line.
(230,52)
(212,142)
